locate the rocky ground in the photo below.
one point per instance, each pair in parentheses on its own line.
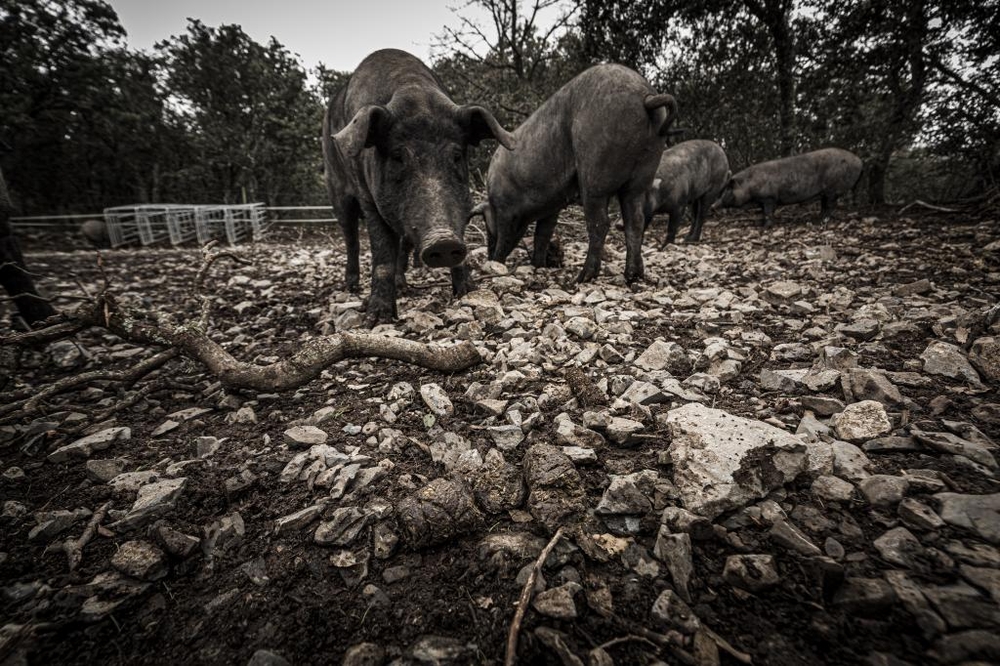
(779,448)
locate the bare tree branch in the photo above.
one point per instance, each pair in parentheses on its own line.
(989,96)
(27,406)
(74,547)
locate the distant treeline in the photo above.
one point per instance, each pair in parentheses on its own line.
(212,116)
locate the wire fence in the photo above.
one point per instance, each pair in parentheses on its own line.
(152,224)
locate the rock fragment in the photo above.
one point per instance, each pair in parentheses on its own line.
(947,360)
(722,462)
(861,421)
(753,573)
(85,447)
(555,491)
(140,559)
(978,513)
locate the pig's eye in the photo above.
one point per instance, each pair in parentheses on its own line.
(458,156)
(396,154)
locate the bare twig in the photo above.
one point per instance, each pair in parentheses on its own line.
(739,656)
(63,327)
(626,639)
(525,599)
(19,267)
(29,405)
(74,547)
(924,204)
(124,403)
(209,257)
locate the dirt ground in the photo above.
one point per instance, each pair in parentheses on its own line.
(453,602)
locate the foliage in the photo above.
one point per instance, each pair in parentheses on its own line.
(249,114)
(214,116)
(512,65)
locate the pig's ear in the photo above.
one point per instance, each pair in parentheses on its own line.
(480,124)
(367,128)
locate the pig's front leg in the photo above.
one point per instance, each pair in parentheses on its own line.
(385,249)
(461,280)
(674,225)
(767,206)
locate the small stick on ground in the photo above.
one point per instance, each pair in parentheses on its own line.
(526,593)
(626,639)
(74,547)
(924,204)
(723,644)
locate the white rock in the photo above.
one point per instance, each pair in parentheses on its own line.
(861,421)
(660,355)
(979,513)
(302,437)
(436,400)
(850,462)
(832,489)
(84,448)
(722,462)
(942,358)
(154,500)
(506,437)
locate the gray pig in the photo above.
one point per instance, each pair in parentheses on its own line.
(691,173)
(395,151)
(597,137)
(822,174)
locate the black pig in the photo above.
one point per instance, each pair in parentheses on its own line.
(14,274)
(691,173)
(822,174)
(395,151)
(597,137)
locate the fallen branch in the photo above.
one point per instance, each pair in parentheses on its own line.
(124,403)
(723,644)
(29,406)
(74,547)
(209,257)
(525,599)
(313,357)
(918,202)
(626,639)
(62,328)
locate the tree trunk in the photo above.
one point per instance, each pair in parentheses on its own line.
(908,99)
(775,15)
(784,49)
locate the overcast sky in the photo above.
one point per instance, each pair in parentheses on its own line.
(338,33)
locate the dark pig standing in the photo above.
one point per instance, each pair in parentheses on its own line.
(691,173)
(395,151)
(822,174)
(14,274)
(597,137)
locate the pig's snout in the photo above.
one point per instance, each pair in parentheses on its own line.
(442,251)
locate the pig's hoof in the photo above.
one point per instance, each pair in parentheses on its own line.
(373,320)
(462,288)
(353,287)
(632,278)
(586,276)
(379,314)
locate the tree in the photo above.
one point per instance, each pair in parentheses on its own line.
(640,34)
(512,65)
(252,117)
(53,87)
